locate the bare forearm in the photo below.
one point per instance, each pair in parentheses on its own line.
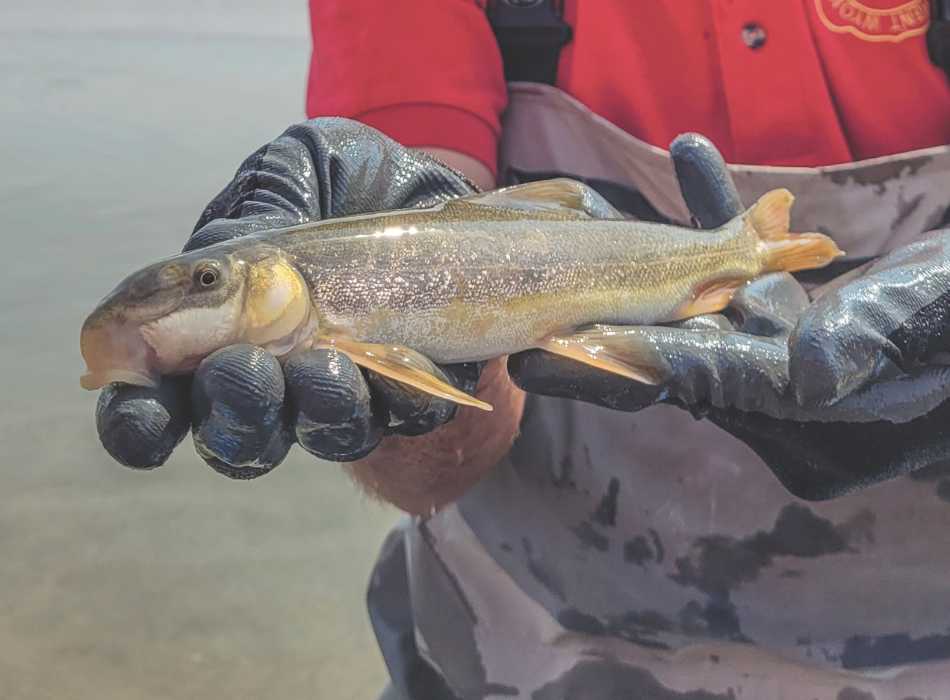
(473,169)
(421,474)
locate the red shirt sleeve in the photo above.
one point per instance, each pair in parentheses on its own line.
(424,72)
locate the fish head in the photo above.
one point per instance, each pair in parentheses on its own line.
(168,316)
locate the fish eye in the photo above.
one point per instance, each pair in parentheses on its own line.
(207,275)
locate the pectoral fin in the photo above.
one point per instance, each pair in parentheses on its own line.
(402,365)
(608,349)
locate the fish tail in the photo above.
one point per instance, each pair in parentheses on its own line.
(785,251)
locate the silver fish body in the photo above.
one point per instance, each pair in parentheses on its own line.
(471,279)
(478,289)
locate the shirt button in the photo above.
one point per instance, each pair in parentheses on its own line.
(753,35)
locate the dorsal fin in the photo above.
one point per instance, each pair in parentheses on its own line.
(560,195)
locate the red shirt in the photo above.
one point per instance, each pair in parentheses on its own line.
(834,80)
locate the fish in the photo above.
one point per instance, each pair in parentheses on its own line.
(545,265)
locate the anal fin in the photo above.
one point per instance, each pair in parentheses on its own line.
(613,350)
(711,298)
(771,214)
(402,365)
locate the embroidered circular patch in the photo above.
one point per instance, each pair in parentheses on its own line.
(900,21)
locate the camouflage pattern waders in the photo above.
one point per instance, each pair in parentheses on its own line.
(651,556)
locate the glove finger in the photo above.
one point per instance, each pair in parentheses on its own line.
(409,411)
(818,461)
(841,280)
(465,375)
(883,323)
(837,347)
(706,322)
(414,412)
(140,427)
(545,374)
(749,373)
(240,427)
(896,400)
(704,180)
(334,415)
(768,306)
(699,368)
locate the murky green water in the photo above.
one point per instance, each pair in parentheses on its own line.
(176,583)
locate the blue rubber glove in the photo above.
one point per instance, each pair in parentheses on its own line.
(246,411)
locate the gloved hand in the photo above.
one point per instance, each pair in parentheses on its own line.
(244,410)
(833,392)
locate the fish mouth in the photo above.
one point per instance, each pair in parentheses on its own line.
(97,380)
(115,352)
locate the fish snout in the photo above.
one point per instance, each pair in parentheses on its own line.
(114,351)
(150,293)
(111,340)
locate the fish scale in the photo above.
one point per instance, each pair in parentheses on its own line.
(394,288)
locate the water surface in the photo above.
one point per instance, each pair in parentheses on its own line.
(116,128)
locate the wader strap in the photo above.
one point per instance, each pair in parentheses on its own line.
(530,34)
(938,35)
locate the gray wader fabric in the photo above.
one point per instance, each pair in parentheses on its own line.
(653,556)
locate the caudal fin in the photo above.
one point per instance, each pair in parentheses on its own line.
(784,250)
